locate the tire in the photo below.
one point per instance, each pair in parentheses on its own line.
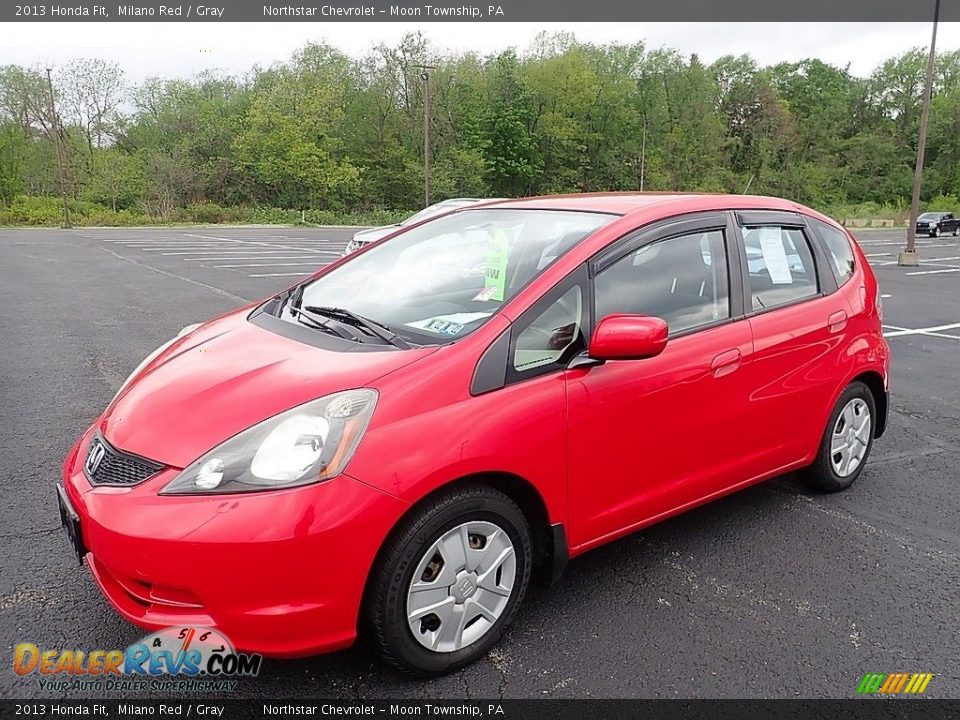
(485,513)
(956,230)
(826,473)
(935,232)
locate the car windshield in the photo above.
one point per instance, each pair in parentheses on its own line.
(432,210)
(442,280)
(930,216)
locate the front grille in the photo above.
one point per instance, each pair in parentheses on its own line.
(105,465)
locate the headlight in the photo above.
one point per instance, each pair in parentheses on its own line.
(152,356)
(306,444)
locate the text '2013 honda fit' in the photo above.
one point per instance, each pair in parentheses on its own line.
(401,443)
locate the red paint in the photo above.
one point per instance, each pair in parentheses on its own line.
(608,448)
(628,337)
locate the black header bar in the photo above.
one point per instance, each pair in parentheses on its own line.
(480,11)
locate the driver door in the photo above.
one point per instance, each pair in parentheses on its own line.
(650,437)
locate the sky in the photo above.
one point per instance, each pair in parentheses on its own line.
(184,49)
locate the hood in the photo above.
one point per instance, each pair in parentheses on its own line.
(225,377)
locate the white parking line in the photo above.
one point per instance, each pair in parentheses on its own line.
(293,264)
(254,252)
(282,274)
(934,272)
(153,240)
(898,332)
(241,257)
(130,240)
(254,243)
(167,248)
(933,262)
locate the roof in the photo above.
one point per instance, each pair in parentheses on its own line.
(624,203)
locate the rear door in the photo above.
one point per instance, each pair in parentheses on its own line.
(798,325)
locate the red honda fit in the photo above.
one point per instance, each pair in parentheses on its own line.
(407,438)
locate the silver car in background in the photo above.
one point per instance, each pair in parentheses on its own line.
(365,237)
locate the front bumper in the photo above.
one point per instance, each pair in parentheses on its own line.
(281,573)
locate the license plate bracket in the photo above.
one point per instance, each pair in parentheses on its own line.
(71,523)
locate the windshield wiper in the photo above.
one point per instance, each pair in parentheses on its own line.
(372,326)
(318,322)
(295,298)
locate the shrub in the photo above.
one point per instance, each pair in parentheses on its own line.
(48,212)
(942,203)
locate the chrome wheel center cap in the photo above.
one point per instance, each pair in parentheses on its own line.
(464,587)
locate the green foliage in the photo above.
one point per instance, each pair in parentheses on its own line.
(12,153)
(326,138)
(946,203)
(48,211)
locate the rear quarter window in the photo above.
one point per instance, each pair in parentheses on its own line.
(838,246)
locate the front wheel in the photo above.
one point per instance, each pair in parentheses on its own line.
(935,232)
(846,441)
(449,580)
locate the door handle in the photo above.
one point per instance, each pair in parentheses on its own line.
(837,321)
(726,362)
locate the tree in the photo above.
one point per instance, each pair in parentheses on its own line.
(91,91)
(117,180)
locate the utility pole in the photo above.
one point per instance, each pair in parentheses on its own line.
(908,256)
(55,119)
(425,77)
(643,152)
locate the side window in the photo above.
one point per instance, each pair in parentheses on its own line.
(683,280)
(840,251)
(552,336)
(781,266)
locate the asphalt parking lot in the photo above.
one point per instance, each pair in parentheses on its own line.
(772,592)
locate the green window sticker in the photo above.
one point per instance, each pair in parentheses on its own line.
(495,284)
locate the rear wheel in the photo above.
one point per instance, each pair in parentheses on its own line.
(935,232)
(449,580)
(846,441)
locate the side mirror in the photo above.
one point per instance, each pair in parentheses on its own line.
(628,337)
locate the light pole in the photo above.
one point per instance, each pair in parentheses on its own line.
(55,120)
(425,77)
(908,256)
(643,152)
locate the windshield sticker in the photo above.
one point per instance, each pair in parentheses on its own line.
(775,256)
(485,294)
(448,324)
(496,276)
